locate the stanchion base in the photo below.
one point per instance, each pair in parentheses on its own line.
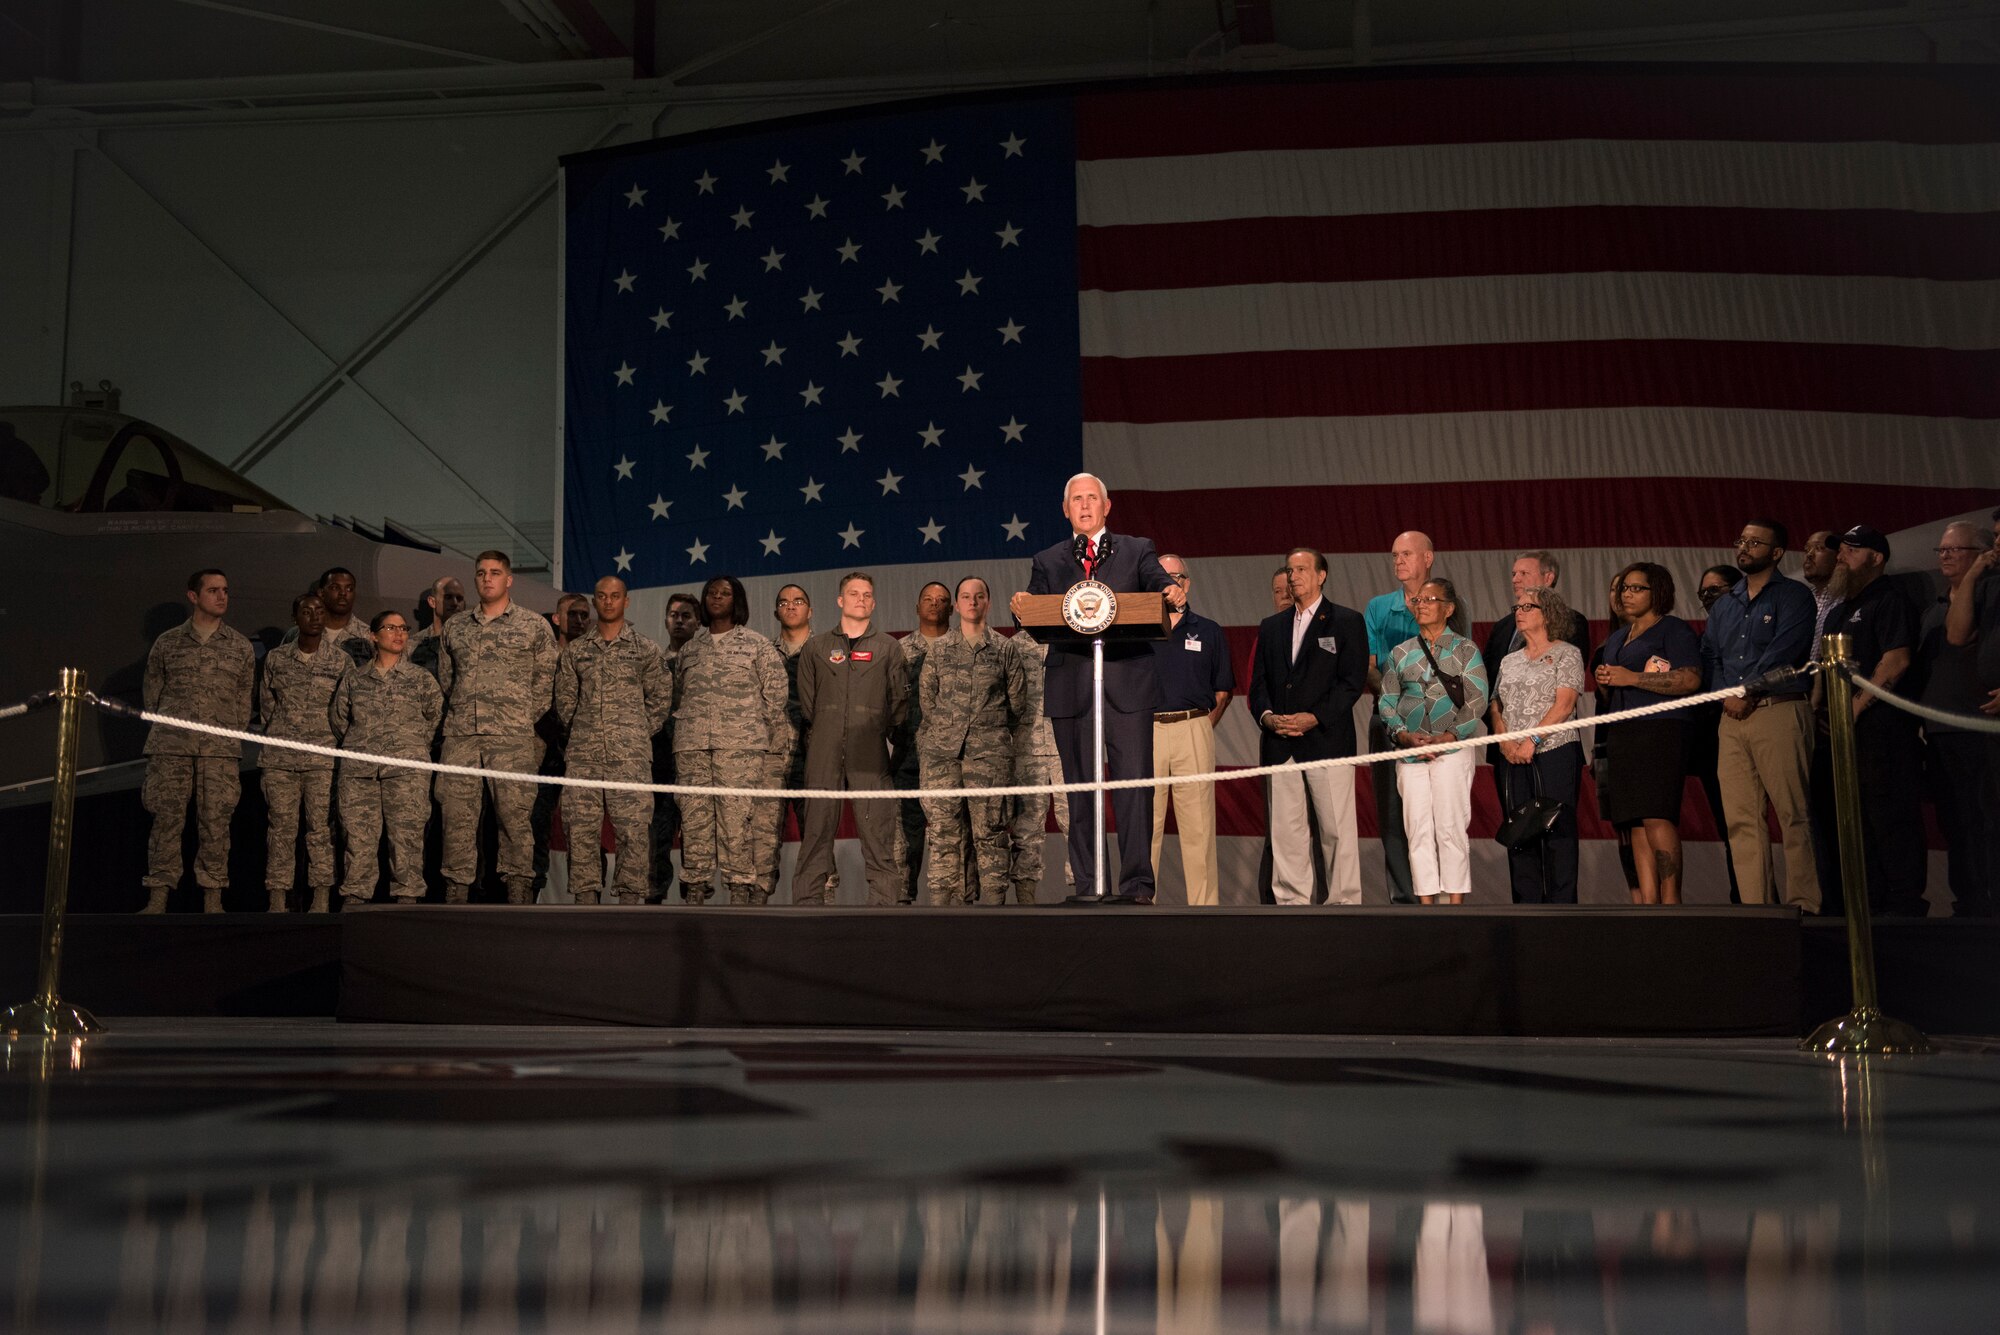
(1865,1033)
(48,1019)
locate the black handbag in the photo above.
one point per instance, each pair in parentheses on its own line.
(1454,687)
(1532,820)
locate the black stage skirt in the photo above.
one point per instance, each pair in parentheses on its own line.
(1645,767)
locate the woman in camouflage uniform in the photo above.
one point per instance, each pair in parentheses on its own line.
(388,707)
(974,690)
(730,731)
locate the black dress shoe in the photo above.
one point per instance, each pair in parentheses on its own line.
(1134,899)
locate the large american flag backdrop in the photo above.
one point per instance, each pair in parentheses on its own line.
(1608,312)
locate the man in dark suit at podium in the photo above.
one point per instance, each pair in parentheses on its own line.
(1131,686)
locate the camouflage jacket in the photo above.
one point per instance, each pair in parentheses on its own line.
(1033,735)
(354,640)
(612,696)
(903,741)
(424,649)
(204,681)
(729,695)
(972,692)
(393,713)
(496,673)
(293,701)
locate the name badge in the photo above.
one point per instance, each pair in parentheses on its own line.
(864,655)
(1192,644)
(1658,664)
(1326,642)
(837,656)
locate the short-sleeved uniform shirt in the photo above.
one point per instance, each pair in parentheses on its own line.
(1669,638)
(1194,664)
(1875,622)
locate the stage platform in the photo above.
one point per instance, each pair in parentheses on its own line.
(1592,972)
(1527,971)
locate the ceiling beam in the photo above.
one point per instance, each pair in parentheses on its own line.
(333,29)
(558,86)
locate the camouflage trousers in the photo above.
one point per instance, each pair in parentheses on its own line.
(458,798)
(631,816)
(213,784)
(287,793)
(1027,823)
(957,823)
(736,836)
(392,801)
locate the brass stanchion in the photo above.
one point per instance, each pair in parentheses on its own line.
(1863,1031)
(47,1014)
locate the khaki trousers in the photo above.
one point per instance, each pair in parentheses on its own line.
(1769,755)
(1187,747)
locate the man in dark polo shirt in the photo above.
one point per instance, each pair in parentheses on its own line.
(1881,628)
(1955,759)
(1195,684)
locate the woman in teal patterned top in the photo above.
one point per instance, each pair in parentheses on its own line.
(1418,711)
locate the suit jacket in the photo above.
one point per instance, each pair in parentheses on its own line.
(1131,683)
(1324,681)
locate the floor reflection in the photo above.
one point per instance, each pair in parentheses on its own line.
(1186,1262)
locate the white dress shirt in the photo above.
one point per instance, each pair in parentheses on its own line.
(1301,618)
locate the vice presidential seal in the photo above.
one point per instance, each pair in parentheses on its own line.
(1090,607)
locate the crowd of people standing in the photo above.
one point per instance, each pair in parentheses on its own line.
(956,703)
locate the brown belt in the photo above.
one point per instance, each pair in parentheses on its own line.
(1179,716)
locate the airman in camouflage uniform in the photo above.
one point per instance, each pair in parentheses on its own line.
(933,614)
(387,710)
(497,669)
(612,694)
(342,628)
(730,731)
(1035,761)
(298,686)
(446,599)
(974,688)
(683,623)
(200,670)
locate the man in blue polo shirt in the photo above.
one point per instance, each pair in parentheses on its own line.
(1764,746)
(1196,681)
(1390,622)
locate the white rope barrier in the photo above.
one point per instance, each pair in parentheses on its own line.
(1665,706)
(1969,722)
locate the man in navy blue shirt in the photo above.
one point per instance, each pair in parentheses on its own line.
(1196,681)
(1764,746)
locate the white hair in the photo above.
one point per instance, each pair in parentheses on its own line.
(1104,490)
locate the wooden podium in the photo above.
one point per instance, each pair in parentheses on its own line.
(1139,617)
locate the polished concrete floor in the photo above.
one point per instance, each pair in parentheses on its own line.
(264,1175)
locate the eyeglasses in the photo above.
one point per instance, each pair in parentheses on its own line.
(1178,579)
(1427,600)
(1940,551)
(394,628)
(1635,588)
(1527,607)
(1709,595)
(1743,543)
(793,602)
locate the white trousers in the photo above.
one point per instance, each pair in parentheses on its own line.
(1331,792)
(1437,809)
